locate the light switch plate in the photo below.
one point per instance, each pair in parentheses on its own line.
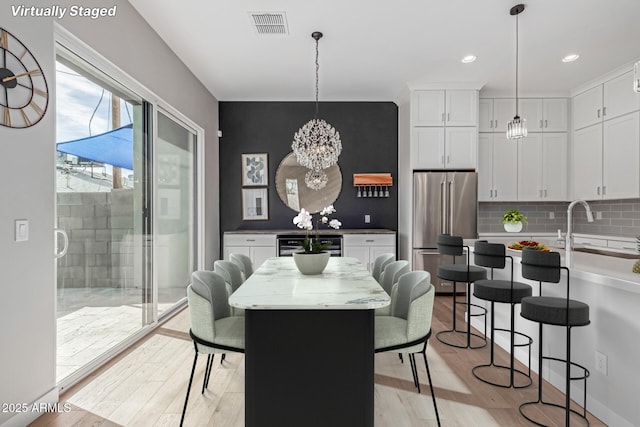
(367,219)
(22,230)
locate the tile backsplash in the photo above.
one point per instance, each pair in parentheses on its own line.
(620,218)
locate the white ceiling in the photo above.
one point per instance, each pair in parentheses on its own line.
(371,50)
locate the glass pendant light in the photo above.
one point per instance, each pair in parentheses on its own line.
(317,144)
(316,179)
(517,128)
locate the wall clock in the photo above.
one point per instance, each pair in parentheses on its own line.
(24,94)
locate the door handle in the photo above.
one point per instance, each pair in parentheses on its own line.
(545,192)
(541,123)
(598,113)
(443,117)
(540,193)
(604,111)
(65,238)
(490,124)
(598,190)
(604,190)
(451,193)
(443,219)
(546,123)
(448,117)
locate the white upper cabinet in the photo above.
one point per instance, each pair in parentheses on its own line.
(542,167)
(494,114)
(587,108)
(619,98)
(612,99)
(620,157)
(587,163)
(444,108)
(443,148)
(427,108)
(605,159)
(555,114)
(542,114)
(497,168)
(461,108)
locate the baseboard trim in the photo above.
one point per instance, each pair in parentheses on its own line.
(40,406)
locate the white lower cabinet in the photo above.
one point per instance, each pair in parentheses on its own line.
(258,247)
(367,247)
(497,168)
(542,167)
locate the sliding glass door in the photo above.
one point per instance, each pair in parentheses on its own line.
(126,197)
(175,155)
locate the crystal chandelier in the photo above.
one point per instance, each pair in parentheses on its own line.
(517,128)
(316,144)
(316,179)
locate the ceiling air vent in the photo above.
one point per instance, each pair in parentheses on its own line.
(269,22)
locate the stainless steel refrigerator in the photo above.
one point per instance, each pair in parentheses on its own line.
(443,202)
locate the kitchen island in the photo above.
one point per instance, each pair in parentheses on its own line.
(612,292)
(309,344)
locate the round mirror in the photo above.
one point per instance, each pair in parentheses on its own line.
(294,192)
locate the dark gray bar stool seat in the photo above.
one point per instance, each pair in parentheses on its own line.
(558,311)
(465,273)
(493,256)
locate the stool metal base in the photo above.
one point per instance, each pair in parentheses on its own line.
(527,381)
(453,332)
(555,405)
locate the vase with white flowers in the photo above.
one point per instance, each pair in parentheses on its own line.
(313,259)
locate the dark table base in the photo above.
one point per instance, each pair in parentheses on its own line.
(309,368)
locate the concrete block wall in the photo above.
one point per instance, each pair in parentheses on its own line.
(100,229)
(620,218)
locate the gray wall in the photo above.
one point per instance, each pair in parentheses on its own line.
(620,218)
(27,289)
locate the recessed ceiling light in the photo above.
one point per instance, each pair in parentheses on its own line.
(570,58)
(469,58)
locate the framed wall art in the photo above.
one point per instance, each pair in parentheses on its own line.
(255,170)
(255,204)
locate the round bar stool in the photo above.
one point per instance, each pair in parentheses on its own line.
(492,256)
(453,245)
(545,267)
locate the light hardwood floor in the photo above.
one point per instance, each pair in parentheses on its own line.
(146,386)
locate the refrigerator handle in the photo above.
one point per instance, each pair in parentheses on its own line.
(443,216)
(450,207)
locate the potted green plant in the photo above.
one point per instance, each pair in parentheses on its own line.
(512,220)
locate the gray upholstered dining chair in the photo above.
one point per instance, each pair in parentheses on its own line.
(231,273)
(379,263)
(233,277)
(213,329)
(388,278)
(244,262)
(408,328)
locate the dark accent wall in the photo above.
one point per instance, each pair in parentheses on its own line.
(369,134)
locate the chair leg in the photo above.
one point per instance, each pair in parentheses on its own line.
(224,355)
(413,372)
(433,395)
(186,399)
(568,377)
(205,381)
(400,356)
(412,357)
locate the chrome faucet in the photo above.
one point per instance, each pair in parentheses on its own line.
(569,237)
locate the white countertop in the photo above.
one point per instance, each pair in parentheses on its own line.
(605,270)
(278,285)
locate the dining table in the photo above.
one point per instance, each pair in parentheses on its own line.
(309,344)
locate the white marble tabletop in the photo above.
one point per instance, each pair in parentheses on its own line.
(278,285)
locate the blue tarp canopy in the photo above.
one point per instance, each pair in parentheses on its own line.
(114,147)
